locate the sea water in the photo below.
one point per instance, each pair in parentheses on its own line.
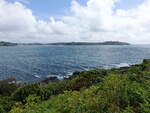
(37,62)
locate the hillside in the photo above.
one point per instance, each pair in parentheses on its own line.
(93,43)
(81,43)
(7,44)
(123,90)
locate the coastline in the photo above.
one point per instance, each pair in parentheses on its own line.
(126,86)
(56,78)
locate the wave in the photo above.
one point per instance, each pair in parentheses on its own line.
(122,65)
(61,77)
(36,76)
(70,73)
(58,76)
(116,65)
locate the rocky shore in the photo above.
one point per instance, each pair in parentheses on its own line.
(122,90)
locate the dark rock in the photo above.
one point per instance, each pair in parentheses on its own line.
(13,81)
(146,64)
(76,73)
(50,79)
(146,61)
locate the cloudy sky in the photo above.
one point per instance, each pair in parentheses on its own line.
(75,20)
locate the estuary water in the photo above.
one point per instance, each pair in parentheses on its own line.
(37,62)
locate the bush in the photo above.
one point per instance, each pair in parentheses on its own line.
(6,88)
(24,92)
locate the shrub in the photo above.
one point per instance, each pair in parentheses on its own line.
(24,92)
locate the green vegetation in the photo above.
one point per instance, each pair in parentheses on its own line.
(7,44)
(124,90)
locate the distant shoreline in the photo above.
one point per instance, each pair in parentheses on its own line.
(3,43)
(80,43)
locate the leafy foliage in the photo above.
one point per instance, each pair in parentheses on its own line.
(6,87)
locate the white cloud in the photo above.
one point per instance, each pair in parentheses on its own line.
(98,20)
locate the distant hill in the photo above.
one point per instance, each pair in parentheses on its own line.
(93,43)
(82,43)
(7,44)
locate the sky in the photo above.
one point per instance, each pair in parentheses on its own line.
(45,21)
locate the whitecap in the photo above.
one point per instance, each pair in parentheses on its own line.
(58,76)
(69,73)
(37,76)
(87,69)
(123,65)
(51,76)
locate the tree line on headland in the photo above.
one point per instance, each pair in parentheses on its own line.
(2,43)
